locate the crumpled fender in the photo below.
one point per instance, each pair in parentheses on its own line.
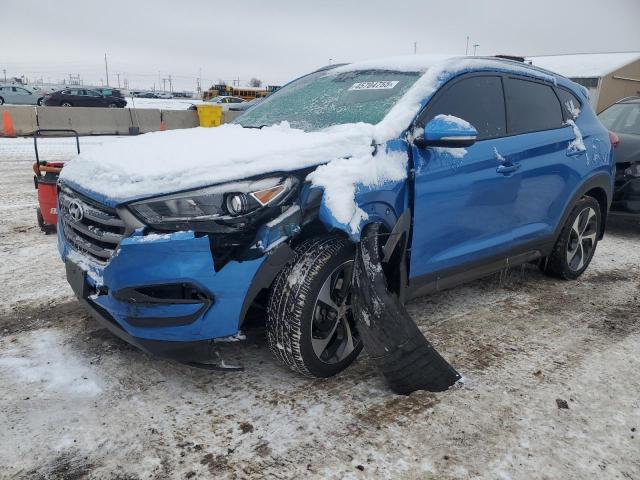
(383,203)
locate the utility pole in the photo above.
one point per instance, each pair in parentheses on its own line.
(4,70)
(106,68)
(170,84)
(466,50)
(164,85)
(475,47)
(118,79)
(415,47)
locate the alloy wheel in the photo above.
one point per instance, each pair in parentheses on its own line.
(333,334)
(582,239)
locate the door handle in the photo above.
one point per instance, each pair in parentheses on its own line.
(508,168)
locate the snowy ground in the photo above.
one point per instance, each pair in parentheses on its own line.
(75,402)
(162,104)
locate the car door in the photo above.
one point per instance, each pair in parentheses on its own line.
(537,147)
(22,96)
(95,99)
(463,204)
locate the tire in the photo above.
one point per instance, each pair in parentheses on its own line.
(577,243)
(112,105)
(66,104)
(39,102)
(1,101)
(299,322)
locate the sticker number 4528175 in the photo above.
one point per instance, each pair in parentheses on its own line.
(380,85)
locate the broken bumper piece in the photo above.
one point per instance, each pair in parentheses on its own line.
(390,336)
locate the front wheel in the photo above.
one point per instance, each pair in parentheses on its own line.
(1,101)
(39,102)
(66,104)
(310,323)
(577,243)
(113,105)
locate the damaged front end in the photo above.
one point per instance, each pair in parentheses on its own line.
(169,281)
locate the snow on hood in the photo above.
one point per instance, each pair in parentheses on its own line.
(170,161)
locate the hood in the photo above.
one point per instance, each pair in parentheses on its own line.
(165,162)
(628,150)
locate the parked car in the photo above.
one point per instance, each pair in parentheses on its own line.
(226,102)
(20,95)
(623,118)
(146,95)
(82,97)
(467,165)
(165,95)
(110,92)
(242,106)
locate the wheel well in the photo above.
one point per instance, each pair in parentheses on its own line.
(601,196)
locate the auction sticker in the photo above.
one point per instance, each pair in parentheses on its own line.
(380,85)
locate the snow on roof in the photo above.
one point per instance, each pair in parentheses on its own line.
(405,63)
(584,65)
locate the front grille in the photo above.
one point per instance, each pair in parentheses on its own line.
(89,227)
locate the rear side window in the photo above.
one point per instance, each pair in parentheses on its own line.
(571,106)
(531,107)
(479,100)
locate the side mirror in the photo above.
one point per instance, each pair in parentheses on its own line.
(447,131)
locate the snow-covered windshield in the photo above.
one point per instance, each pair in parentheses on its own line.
(323,99)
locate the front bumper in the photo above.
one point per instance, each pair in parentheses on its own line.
(134,293)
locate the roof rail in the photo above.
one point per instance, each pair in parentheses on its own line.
(631,97)
(515,58)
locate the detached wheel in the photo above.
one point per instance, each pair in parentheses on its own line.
(577,243)
(310,323)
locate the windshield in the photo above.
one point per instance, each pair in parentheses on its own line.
(323,99)
(622,118)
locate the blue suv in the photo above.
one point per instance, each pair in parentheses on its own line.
(468,165)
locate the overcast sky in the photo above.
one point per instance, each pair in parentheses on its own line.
(276,40)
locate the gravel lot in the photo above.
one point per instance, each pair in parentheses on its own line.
(550,390)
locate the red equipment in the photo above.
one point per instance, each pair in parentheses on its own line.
(46,183)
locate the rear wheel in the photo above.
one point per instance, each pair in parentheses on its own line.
(310,323)
(66,104)
(39,102)
(1,101)
(577,243)
(113,105)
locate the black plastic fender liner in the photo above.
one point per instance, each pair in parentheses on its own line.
(389,335)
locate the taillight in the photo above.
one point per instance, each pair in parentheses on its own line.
(613,138)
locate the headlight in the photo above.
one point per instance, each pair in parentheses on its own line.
(633,171)
(226,203)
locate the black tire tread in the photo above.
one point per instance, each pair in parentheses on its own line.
(287,300)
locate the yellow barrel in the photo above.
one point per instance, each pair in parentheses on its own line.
(209,115)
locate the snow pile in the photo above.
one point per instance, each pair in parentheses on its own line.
(454,121)
(340,179)
(576,145)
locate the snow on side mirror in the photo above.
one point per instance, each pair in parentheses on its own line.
(447,131)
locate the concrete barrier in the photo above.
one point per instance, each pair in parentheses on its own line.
(175,119)
(102,121)
(146,118)
(23,118)
(86,120)
(230,116)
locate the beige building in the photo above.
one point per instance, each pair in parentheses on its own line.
(609,77)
